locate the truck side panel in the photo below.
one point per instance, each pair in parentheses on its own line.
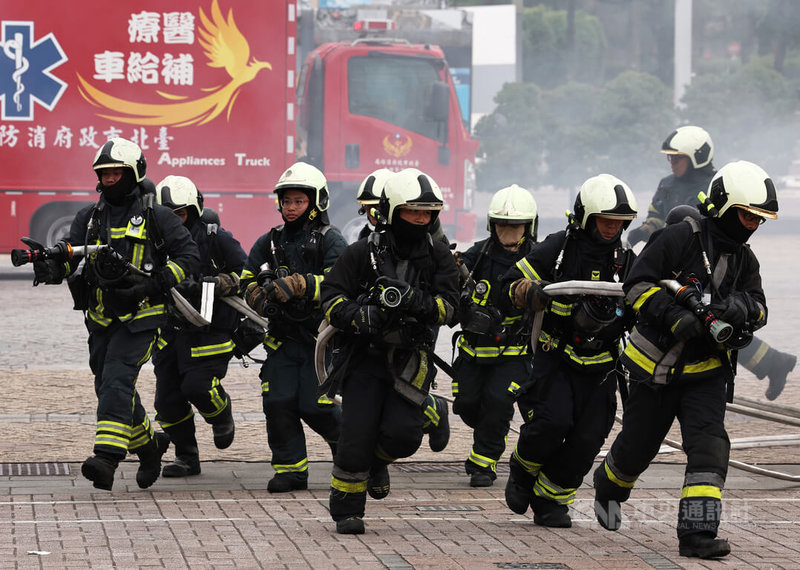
(205,87)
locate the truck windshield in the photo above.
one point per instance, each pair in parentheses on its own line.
(396,90)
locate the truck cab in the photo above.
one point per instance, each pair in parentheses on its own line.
(385,103)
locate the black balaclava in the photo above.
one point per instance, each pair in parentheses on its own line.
(116,194)
(732,227)
(407,232)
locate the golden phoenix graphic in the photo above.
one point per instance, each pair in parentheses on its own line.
(225,47)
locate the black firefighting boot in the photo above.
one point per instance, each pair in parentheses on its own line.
(378,484)
(439,435)
(347,508)
(549,513)
(99,469)
(187,457)
(150,460)
(479,476)
(703,545)
(286,482)
(519,488)
(608,499)
(764,361)
(780,364)
(223,427)
(350,525)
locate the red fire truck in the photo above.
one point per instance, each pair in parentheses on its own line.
(210,89)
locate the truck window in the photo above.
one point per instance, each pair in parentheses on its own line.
(396,90)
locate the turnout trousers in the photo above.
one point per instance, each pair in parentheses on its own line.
(485,390)
(568,415)
(650,410)
(189,371)
(115,357)
(378,427)
(289,394)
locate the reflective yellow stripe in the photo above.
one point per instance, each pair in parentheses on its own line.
(187,417)
(298,467)
(177,271)
(442,311)
(212,349)
(644,297)
(348,486)
(527,269)
(482,460)
(616,480)
(317,279)
(529,466)
(702,491)
(338,300)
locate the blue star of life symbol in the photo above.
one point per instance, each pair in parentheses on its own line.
(25,67)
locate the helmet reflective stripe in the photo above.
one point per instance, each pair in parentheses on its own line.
(306,178)
(412,189)
(605,195)
(690,141)
(176,192)
(371,189)
(744,185)
(121,153)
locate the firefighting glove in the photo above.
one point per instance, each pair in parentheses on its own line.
(140,288)
(48,271)
(529,294)
(289,287)
(257,297)
(369,319)
(737,309)
(226,284)
(683,324)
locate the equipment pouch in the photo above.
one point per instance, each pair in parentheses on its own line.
(246,337)
(80,290)
(412,373)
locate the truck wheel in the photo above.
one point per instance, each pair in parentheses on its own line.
(51,222)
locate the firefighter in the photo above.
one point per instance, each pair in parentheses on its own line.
(123,292)
(282,278)
(681,364)
(386,294)
(569,409)
(690,152)
(493,359)
(192,360)
(437,424)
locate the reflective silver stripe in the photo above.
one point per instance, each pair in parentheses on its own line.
(704,478)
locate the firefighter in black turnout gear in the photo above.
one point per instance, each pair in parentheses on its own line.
(690,152)
(123,291)
(493,360)
(282,278)
(192,360)
(569,409)
(437,426)
(697,291)
(385,294)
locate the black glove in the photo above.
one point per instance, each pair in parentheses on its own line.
(141,288)
(683,324)
(637,235)
(737,309)
(48,271)
(369,319)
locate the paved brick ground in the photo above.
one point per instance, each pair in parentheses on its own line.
(226,519)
